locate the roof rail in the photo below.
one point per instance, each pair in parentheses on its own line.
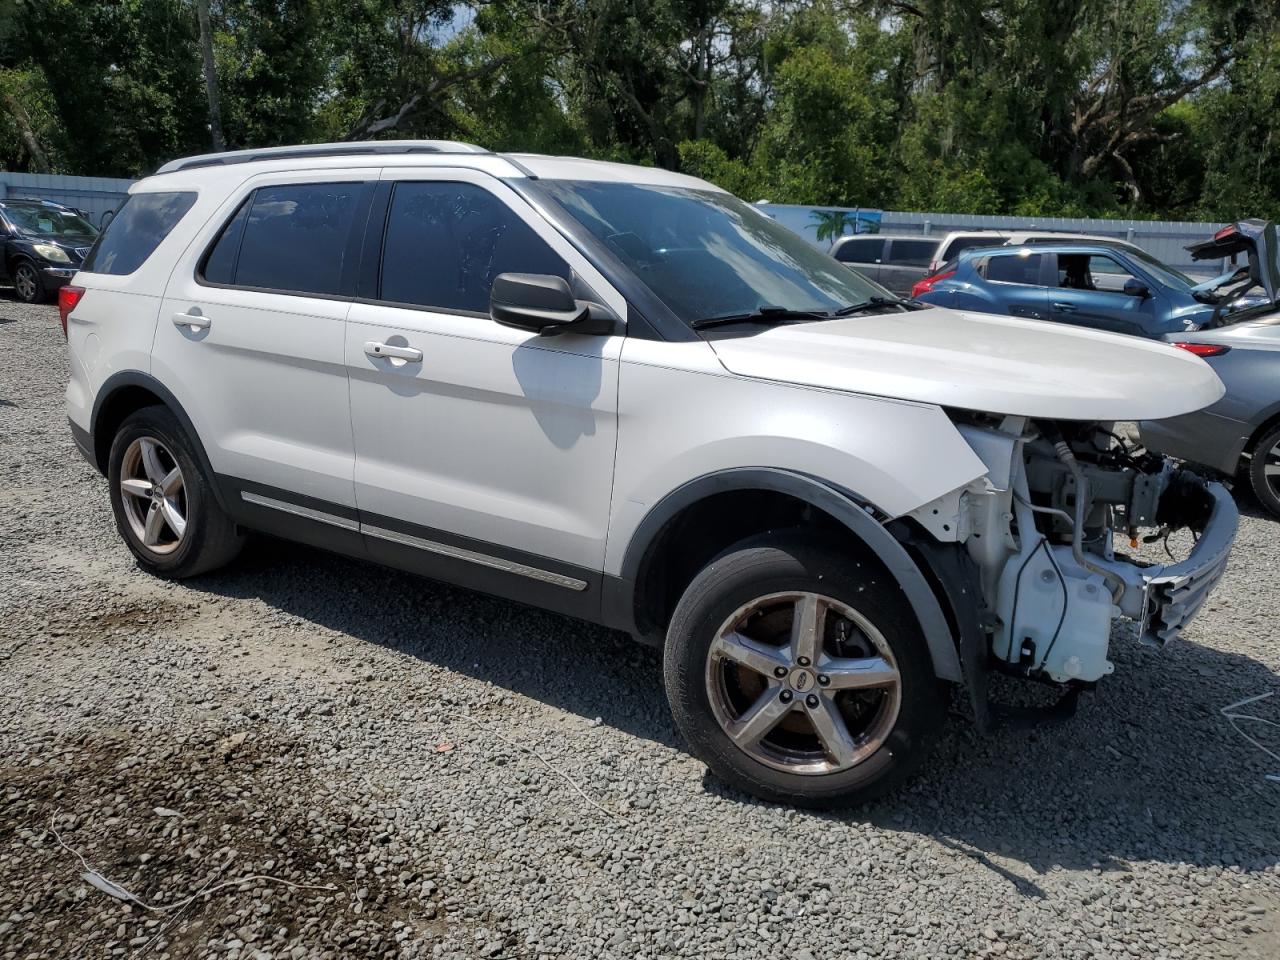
(356,148)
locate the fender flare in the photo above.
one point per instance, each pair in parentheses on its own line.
(136,378)
(855,514)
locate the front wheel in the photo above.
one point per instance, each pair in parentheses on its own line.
(798,674)
(27,283)
(1264,471)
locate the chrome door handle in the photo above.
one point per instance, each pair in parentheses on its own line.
(1064,307)
(195,321)
(375,349)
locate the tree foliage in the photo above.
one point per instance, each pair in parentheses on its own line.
(1074,107)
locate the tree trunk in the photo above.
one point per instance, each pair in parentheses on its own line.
(39,159)
(210,76)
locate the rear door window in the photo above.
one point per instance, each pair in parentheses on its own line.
(139,226)
(911,253)
(446,242)
(1014,268)
(860,251)
(295,238)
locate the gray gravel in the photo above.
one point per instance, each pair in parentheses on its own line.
(415,752)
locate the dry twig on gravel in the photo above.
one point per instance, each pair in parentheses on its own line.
(546,763)
(113,889)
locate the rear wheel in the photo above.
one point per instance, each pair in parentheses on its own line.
(799,675)
(27,283)
(164,506)
(1264,471)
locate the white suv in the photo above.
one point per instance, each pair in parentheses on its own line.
(625,395)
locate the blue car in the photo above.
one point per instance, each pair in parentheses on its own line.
(1086,284)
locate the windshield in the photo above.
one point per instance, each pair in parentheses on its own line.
(1162,271)
(43,221)
(707,254)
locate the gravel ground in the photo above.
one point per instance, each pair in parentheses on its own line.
(412,770)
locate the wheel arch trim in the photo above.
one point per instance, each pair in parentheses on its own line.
(1262,424)
(847,508)
(126,379)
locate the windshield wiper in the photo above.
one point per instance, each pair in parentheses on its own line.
(763,315)
(875,303)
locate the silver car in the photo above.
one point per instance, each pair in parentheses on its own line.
(1240,434)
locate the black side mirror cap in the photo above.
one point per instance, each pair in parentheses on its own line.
(544,304)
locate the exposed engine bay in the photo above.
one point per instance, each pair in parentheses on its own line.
(1049,529)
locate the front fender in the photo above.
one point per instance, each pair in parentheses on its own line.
(857,516)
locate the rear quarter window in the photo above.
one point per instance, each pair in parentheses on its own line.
(139,226)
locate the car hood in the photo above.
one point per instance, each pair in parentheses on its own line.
(978,361)
(67,241)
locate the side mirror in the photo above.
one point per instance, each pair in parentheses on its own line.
(544,304)
(1136,288)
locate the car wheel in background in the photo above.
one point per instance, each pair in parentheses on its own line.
(164,506)
(28,286)
(800,675)
(1264,471)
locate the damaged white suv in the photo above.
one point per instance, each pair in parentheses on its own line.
(625,395)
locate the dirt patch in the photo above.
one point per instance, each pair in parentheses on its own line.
(166,819)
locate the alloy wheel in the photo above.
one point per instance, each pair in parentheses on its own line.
(803,683)
(154,495)
(1271,470)
(26,282)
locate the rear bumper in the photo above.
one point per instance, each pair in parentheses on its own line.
(84,443)
(1201,437)
(1173,594)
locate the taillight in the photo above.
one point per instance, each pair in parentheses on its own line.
(1204,349)
(926,285)
(68,298)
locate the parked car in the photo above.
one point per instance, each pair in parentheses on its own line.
(957,241)
(43,243)
(899,262)
(623,394)
(1080,283)
(1240,434)
(894,262)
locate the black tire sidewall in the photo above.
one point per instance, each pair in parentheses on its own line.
(159,423)
(754,569)
(40,292)
(1257,479)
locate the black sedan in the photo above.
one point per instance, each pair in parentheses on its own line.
(44,245)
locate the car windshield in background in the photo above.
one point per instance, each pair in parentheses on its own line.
(41,221)
(1162,271)
(707,254)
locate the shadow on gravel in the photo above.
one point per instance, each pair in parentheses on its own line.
(560,661)
(1148,769)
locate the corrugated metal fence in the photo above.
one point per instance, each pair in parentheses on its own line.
(96,196)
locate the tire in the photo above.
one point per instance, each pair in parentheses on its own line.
(1266,456)
(175,528)
(28,285)
(752,593)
